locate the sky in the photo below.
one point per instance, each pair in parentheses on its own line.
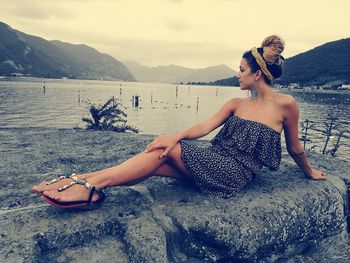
(190,33)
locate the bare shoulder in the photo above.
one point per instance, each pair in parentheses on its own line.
(234,102)
(239,101)
(285,100)
(288,107)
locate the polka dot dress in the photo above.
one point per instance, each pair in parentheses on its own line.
(239,151)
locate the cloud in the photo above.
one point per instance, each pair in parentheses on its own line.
(227,1)
(176,24)
(36,10)
(176,31)
(164,52)
(174,1)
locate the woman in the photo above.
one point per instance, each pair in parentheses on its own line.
(249,140)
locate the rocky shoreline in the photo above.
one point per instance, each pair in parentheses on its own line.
(280,217)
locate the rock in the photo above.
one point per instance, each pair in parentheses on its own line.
(280,217)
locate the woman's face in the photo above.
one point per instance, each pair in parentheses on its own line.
(245,76)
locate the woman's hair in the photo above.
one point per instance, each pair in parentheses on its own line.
(268,58)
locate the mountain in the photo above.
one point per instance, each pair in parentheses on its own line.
(226,82)
(324,64)
(25,54)
(177,74)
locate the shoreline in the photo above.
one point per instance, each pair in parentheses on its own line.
(283,90)
(312,91)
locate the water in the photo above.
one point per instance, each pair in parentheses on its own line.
(24,104)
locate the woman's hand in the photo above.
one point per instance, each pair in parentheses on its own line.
(317,175)
(166,142)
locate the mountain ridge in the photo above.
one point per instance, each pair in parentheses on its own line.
(24,54)
(177,74)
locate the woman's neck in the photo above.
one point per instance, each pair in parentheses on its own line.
(261,92)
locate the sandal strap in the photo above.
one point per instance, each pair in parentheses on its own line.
(84,182)
(97,190)
(66,186)
(72,176)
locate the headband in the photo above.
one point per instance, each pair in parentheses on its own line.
(261,62)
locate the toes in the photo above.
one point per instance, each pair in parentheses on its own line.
(50,194)
(36,188)
(43,183)
(40,187)
(56,196)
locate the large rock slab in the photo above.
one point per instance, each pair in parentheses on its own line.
(279,216)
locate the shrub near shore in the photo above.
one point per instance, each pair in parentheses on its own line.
(109,116)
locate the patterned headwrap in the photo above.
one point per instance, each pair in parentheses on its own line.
(261,62)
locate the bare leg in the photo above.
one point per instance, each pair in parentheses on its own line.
(135,169)
(140,167)
(167,168)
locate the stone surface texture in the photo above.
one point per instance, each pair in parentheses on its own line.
(280,217)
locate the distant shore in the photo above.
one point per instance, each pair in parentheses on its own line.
(313,91)
(283,90)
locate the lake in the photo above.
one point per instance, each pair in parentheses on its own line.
(162,110)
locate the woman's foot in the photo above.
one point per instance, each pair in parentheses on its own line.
(75,193)
(43,186)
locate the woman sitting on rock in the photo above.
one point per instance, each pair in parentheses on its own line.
(249,140)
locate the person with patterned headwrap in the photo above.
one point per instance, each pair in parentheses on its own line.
(249,139)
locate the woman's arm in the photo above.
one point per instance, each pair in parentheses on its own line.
(197,131)
(201,129)
(294,147)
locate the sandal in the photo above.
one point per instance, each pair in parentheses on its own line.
(88,204)
(72,176)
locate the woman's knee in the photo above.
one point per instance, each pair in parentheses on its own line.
(176,160)
(175,153)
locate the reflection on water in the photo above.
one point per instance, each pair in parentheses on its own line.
(162,109)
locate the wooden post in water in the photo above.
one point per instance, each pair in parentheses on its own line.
(44,88)
(78,96)
(217,90)
(197,102)
(137,97)
(151,97)
(120,91)
(177,90)
(135,100)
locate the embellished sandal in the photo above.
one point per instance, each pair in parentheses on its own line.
(88,204)
(55,180)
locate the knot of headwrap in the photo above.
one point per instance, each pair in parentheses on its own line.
(261,62)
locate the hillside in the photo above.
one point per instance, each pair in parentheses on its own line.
(23,54)
(321,65)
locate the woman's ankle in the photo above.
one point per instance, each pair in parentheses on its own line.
(99,181)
